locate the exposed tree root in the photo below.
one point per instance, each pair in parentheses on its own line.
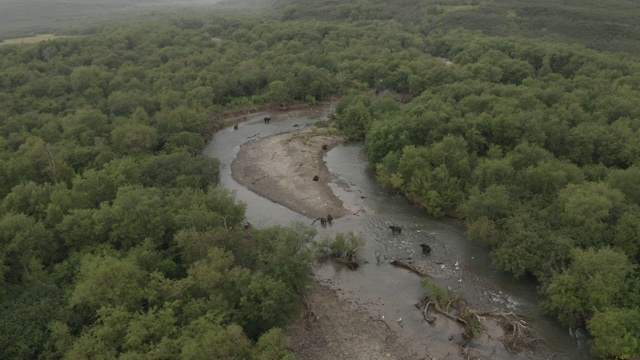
(351,264)
(425,312)
(450,316)
(518,335)
(455,309)
(388,327)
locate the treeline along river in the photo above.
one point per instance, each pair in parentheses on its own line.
(456,262)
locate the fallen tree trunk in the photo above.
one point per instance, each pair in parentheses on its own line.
(409,267)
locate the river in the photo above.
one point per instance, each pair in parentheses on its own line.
(456,262)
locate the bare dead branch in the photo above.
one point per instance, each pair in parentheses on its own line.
(388,327)
(310,312)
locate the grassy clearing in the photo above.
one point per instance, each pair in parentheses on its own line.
(30,39)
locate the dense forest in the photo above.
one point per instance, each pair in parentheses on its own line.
(605,25)
(117,242)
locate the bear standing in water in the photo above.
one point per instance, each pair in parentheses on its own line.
(395,229)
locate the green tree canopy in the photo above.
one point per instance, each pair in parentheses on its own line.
(591,284)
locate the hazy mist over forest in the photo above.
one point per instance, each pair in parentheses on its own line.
(24,17)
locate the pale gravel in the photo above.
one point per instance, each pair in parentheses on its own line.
(281,168)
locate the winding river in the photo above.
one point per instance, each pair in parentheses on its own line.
(457,263)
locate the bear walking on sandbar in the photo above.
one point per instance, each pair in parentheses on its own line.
(426,249)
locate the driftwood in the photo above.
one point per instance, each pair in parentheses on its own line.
(432,319)
(379,255)
(352,264)
(518,334)
(388,327)
(260,178)
(425,312)
(409,267)
(455,309)
(452,317)
(310,312)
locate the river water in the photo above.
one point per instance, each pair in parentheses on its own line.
(455,262)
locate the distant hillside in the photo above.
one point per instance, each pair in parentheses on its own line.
(605,25)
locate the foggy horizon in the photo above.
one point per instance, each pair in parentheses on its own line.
(19,18)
